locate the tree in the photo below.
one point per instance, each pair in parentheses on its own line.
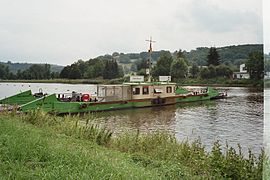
(47,71)
(55,75)
(110,70)
(65,72)
(204,73)
(75,72)
(123,58)
(115,54)
(163,65)
(213,57)
(194,70)
(224,71)
(133,67)
(255,65)
(179,68)
(141,66)
(180,54)
(212,71)
(4,72)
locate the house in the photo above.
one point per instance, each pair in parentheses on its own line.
(242,74)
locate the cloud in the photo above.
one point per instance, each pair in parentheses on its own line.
(266,20)
(63,31)
(212,18)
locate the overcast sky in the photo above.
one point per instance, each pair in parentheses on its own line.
(63,31)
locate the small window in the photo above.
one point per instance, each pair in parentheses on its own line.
(136,91)
(169,89)
(157,91)
(145,90)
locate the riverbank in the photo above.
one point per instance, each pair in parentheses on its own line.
(222,82)
(215,82)
(68,81)
(74,147)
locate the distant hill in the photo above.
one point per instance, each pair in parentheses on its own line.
(14,67)
(229,55)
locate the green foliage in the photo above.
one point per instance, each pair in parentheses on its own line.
(255,65)
(224,71)
(213,57)
(61,147)
(205,73)
(163,65)
(35,71)
(179,69)
(216,71)
(142,65)
(14,67)
(27,152)
(155,147)
(94,68)
(123,58)
(4,72)
(79,127)
(194,70)
(212,71)
(111,70)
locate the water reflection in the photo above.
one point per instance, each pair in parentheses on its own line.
(237,119)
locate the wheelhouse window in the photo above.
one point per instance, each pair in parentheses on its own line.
(136,91)
(157,91)
(145,90)
(169,89)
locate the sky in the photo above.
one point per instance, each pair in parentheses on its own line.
(63,31)
(266,26)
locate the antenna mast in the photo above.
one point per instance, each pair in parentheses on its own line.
(150,59)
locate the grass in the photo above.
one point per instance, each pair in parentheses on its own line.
(28,152)
(38,145)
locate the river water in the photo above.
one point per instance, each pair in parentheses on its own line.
(237,119)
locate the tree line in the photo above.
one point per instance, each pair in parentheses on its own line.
(105,68)
(35,71)
(174,64)
(179,67)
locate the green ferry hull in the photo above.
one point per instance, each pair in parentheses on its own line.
(52,105)
(19,99)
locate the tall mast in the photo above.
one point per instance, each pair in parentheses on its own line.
(150,58)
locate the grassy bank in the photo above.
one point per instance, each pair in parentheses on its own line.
(38,145)
(69,81)
(222,82)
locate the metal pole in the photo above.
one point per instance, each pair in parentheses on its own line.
(150,58)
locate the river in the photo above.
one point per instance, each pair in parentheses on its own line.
(237,119)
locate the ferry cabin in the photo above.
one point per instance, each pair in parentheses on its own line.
(135,91)
(152,90)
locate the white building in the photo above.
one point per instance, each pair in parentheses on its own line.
(242,74)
